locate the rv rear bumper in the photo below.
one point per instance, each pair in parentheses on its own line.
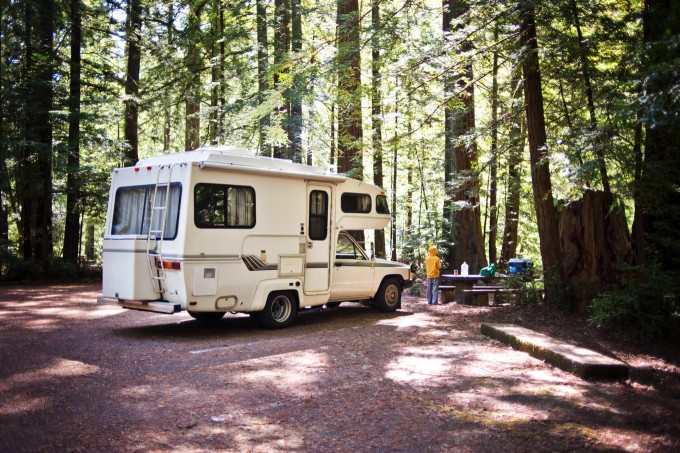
(156,306)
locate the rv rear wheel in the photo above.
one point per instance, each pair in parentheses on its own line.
(280,310)
(388,297)
(206,316)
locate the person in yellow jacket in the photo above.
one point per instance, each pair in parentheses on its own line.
(432,267)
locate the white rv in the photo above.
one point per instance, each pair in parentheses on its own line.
(220,230)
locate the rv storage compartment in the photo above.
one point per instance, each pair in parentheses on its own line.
(126,270)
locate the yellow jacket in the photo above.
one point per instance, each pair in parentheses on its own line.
(432,263)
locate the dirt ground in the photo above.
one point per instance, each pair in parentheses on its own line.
(76,376)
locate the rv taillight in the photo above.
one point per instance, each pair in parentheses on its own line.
(171,265)
(136,168)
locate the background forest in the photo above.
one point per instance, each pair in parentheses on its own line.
(548,130)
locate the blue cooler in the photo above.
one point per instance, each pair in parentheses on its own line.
(519,265)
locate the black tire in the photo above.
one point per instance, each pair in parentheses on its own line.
(280,310)
(388,297)
(212,316)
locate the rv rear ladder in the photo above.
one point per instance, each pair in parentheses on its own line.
(155,255)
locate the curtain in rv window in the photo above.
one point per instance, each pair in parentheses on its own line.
(223,206)
(318,215)
(355,203)
(132,211)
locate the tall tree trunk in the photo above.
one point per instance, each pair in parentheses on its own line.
(134,55)
(638,234)
(512,202)
(37,162)
(395,161)
(216,76)
(350,132)
(72,221)
(5,186)
(461,206)
(192,139)
(167,113)
(25,179)
(585,71)
(263,85)
(295,129)
(493,177)
(376,115)
(281,49)
(546,214)
(659,197)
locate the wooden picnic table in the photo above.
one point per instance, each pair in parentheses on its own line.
(464,284)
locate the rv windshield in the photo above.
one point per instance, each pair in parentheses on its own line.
(133,211)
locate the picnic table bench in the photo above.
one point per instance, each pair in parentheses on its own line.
(486,295)
(448,293)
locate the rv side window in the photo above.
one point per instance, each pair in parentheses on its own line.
(318,215)
(355,202)
(133,211)
(381,205)
(223,206)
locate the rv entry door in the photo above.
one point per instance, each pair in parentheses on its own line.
(318,250)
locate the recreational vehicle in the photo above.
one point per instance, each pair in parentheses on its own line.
(220,230)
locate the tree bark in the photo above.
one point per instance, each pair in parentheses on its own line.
(376,115)
(659,197)
(193,89)
(263,85)
(546,214)
(512,202)
(167,113)
(295,129)
(462,216)
(281,50)
(72,221)
(595,246)
(350,132)
(134,55)
(493,176)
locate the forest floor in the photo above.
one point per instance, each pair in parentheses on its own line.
(77,376)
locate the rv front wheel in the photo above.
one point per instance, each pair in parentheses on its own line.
(388,297)
(280,311)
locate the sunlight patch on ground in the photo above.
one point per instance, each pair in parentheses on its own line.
(23,403)
(408,322)
(293,371)
(58,369)
(423,364)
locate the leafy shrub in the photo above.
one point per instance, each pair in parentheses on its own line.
(648,305)
(527,290)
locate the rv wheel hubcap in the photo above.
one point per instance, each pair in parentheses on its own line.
(281,308)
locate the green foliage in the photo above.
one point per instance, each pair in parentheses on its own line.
(527,290)
(649,305)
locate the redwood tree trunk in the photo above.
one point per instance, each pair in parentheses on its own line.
(72,221)
(514,186)
(281,49)
(376,114)
(134,55)
(461,204)
(546,214)
(263,84)
(350,132)
(193,90)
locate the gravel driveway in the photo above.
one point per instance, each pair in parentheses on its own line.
(76,376)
